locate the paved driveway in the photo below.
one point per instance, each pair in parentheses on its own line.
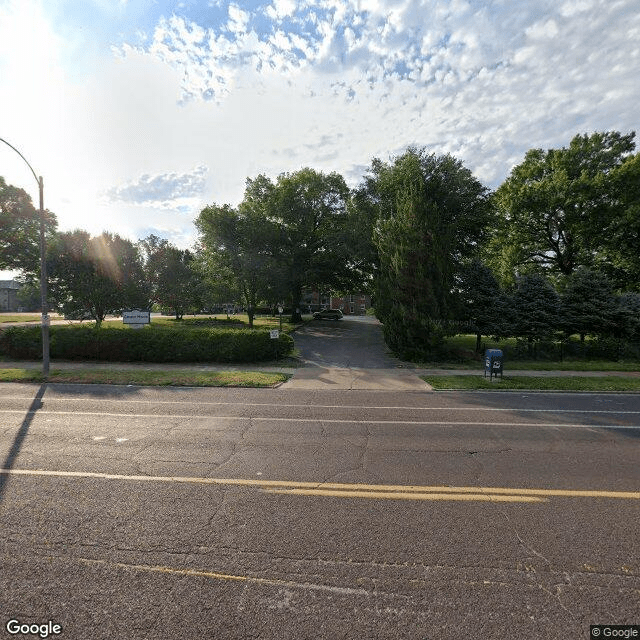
(351,342)
(349,354)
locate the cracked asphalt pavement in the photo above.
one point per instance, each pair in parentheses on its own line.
(146,513)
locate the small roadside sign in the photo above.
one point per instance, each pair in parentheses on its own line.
(274,333)
(136,319)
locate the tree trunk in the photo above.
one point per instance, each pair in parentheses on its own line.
(296,294)
(478,342)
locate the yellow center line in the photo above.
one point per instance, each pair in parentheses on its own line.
(396,495)
(347,489)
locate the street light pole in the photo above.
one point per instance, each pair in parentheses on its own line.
(43,269)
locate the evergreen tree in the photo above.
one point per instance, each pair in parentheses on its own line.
(535,308)
(587,304)
(479,298)
(432,214)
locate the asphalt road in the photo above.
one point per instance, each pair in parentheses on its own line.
(225,513)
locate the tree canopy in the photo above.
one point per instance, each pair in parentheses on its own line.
(284,236)
(95,276)
(171,276)
(20,230)
(432,216)
(565,208)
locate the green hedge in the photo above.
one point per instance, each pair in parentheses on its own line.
(145,345)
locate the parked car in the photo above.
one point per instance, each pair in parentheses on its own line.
(328,314)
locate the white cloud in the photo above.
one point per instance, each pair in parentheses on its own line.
(164,190)
(323,83)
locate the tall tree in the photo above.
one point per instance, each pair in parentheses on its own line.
(478,300)
(587,304)
(95,276)
(314,246)
(284,236)
(171,274)
(20,230)
(557,207)
(240,246)
(535,308)
(432,216)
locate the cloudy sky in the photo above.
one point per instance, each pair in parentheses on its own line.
(138,113)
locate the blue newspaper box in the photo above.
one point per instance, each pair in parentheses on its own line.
(493,363)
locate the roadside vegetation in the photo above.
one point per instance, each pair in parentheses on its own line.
(458,352)
(529,383)
(149,378)
(546,266)
(150,344)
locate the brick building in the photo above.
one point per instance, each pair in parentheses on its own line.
(355,304)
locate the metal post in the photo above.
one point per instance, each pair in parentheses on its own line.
(43,286)
(43,269)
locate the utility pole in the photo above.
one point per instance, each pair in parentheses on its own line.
(43,270)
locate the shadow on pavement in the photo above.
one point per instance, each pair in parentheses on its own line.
(14,451)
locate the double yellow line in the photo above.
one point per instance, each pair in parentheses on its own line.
(353,490)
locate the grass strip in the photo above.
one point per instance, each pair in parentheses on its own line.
(176,378)
(531,383)
(539,365)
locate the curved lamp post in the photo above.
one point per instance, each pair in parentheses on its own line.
(43,270)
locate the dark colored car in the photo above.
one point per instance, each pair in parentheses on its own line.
(328,314)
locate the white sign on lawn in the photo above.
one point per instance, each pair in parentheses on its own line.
(136,319)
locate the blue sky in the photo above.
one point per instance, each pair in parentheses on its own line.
(139,113)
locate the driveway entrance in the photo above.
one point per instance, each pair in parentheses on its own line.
(349,354)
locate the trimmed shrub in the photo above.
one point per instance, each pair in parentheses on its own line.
(146,345)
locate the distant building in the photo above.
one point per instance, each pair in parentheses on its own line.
(355,304)
(9,295)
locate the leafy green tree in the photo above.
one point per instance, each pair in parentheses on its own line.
(95,276)
(621,233)
(557,208)
(171,274)
(20,230)
(587,304)
(432,216)
(314,244)
(283,237)
(240,245)
(29,296)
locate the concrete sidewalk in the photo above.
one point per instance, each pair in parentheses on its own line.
(315,377)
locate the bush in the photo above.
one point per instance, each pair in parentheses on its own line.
(146,345)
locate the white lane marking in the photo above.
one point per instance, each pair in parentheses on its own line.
(169,416)
(318,406)
(214,575)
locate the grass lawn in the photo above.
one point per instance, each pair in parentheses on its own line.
(464,357)
(530,383)
(25,317)
(150,378)
(240,320)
